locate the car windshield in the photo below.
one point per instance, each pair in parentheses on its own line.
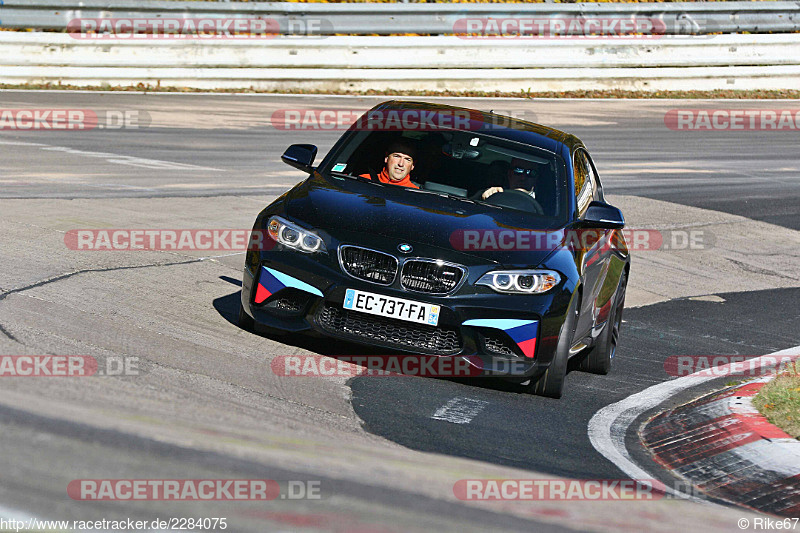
(465,164)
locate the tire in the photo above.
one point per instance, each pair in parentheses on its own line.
(551,384)
(245,321)
(600,357)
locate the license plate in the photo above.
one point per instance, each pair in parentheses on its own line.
(388,306)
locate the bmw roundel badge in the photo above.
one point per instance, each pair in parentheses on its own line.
(405,248)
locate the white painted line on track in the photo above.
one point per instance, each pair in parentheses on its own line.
(130,160)
(609,425)
(20,143)
(117,158)
(459,410)
(118,185)
(224,255)
(17,520)
(14,514)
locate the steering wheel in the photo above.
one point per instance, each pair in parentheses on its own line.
(516,200)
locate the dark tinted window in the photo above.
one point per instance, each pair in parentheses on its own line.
(466,164)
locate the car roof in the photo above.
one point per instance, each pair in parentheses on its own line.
(502,126)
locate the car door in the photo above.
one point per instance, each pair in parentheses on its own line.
(593,242)
(613,263)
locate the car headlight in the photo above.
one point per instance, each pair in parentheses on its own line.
(294,236)
(520,281)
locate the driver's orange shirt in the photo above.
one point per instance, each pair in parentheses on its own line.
(383,177)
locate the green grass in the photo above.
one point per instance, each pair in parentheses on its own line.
(779,400)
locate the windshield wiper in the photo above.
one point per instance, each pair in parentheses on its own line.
(346,175)
(447,195)
(410,189)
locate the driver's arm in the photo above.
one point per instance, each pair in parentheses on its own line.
(490,191)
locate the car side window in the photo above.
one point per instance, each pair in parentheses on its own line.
(584,185)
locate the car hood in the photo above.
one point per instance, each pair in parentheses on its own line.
(346,207)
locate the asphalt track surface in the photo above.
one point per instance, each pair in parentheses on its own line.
(206,404)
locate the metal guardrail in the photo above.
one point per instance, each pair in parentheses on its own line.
(435,63)
(386,53)
(433,19)
(362,60)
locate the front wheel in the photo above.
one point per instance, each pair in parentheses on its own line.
(600,357)
(246,322)
(551,384)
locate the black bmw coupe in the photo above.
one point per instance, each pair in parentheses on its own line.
(445,231)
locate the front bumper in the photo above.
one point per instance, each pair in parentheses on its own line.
(512,336)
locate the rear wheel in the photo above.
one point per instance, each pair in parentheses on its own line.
(599,358)
(551,384)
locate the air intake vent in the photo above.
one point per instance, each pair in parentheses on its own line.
(499,344)
(368,265)
(388,332)
(433,277)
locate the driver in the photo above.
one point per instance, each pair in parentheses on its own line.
(521,176)
(399,163)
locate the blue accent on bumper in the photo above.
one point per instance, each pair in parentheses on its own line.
(289,281)
(498,323)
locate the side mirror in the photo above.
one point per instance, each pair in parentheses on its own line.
(300,156)
(603,215)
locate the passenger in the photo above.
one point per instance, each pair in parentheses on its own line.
(399,163)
